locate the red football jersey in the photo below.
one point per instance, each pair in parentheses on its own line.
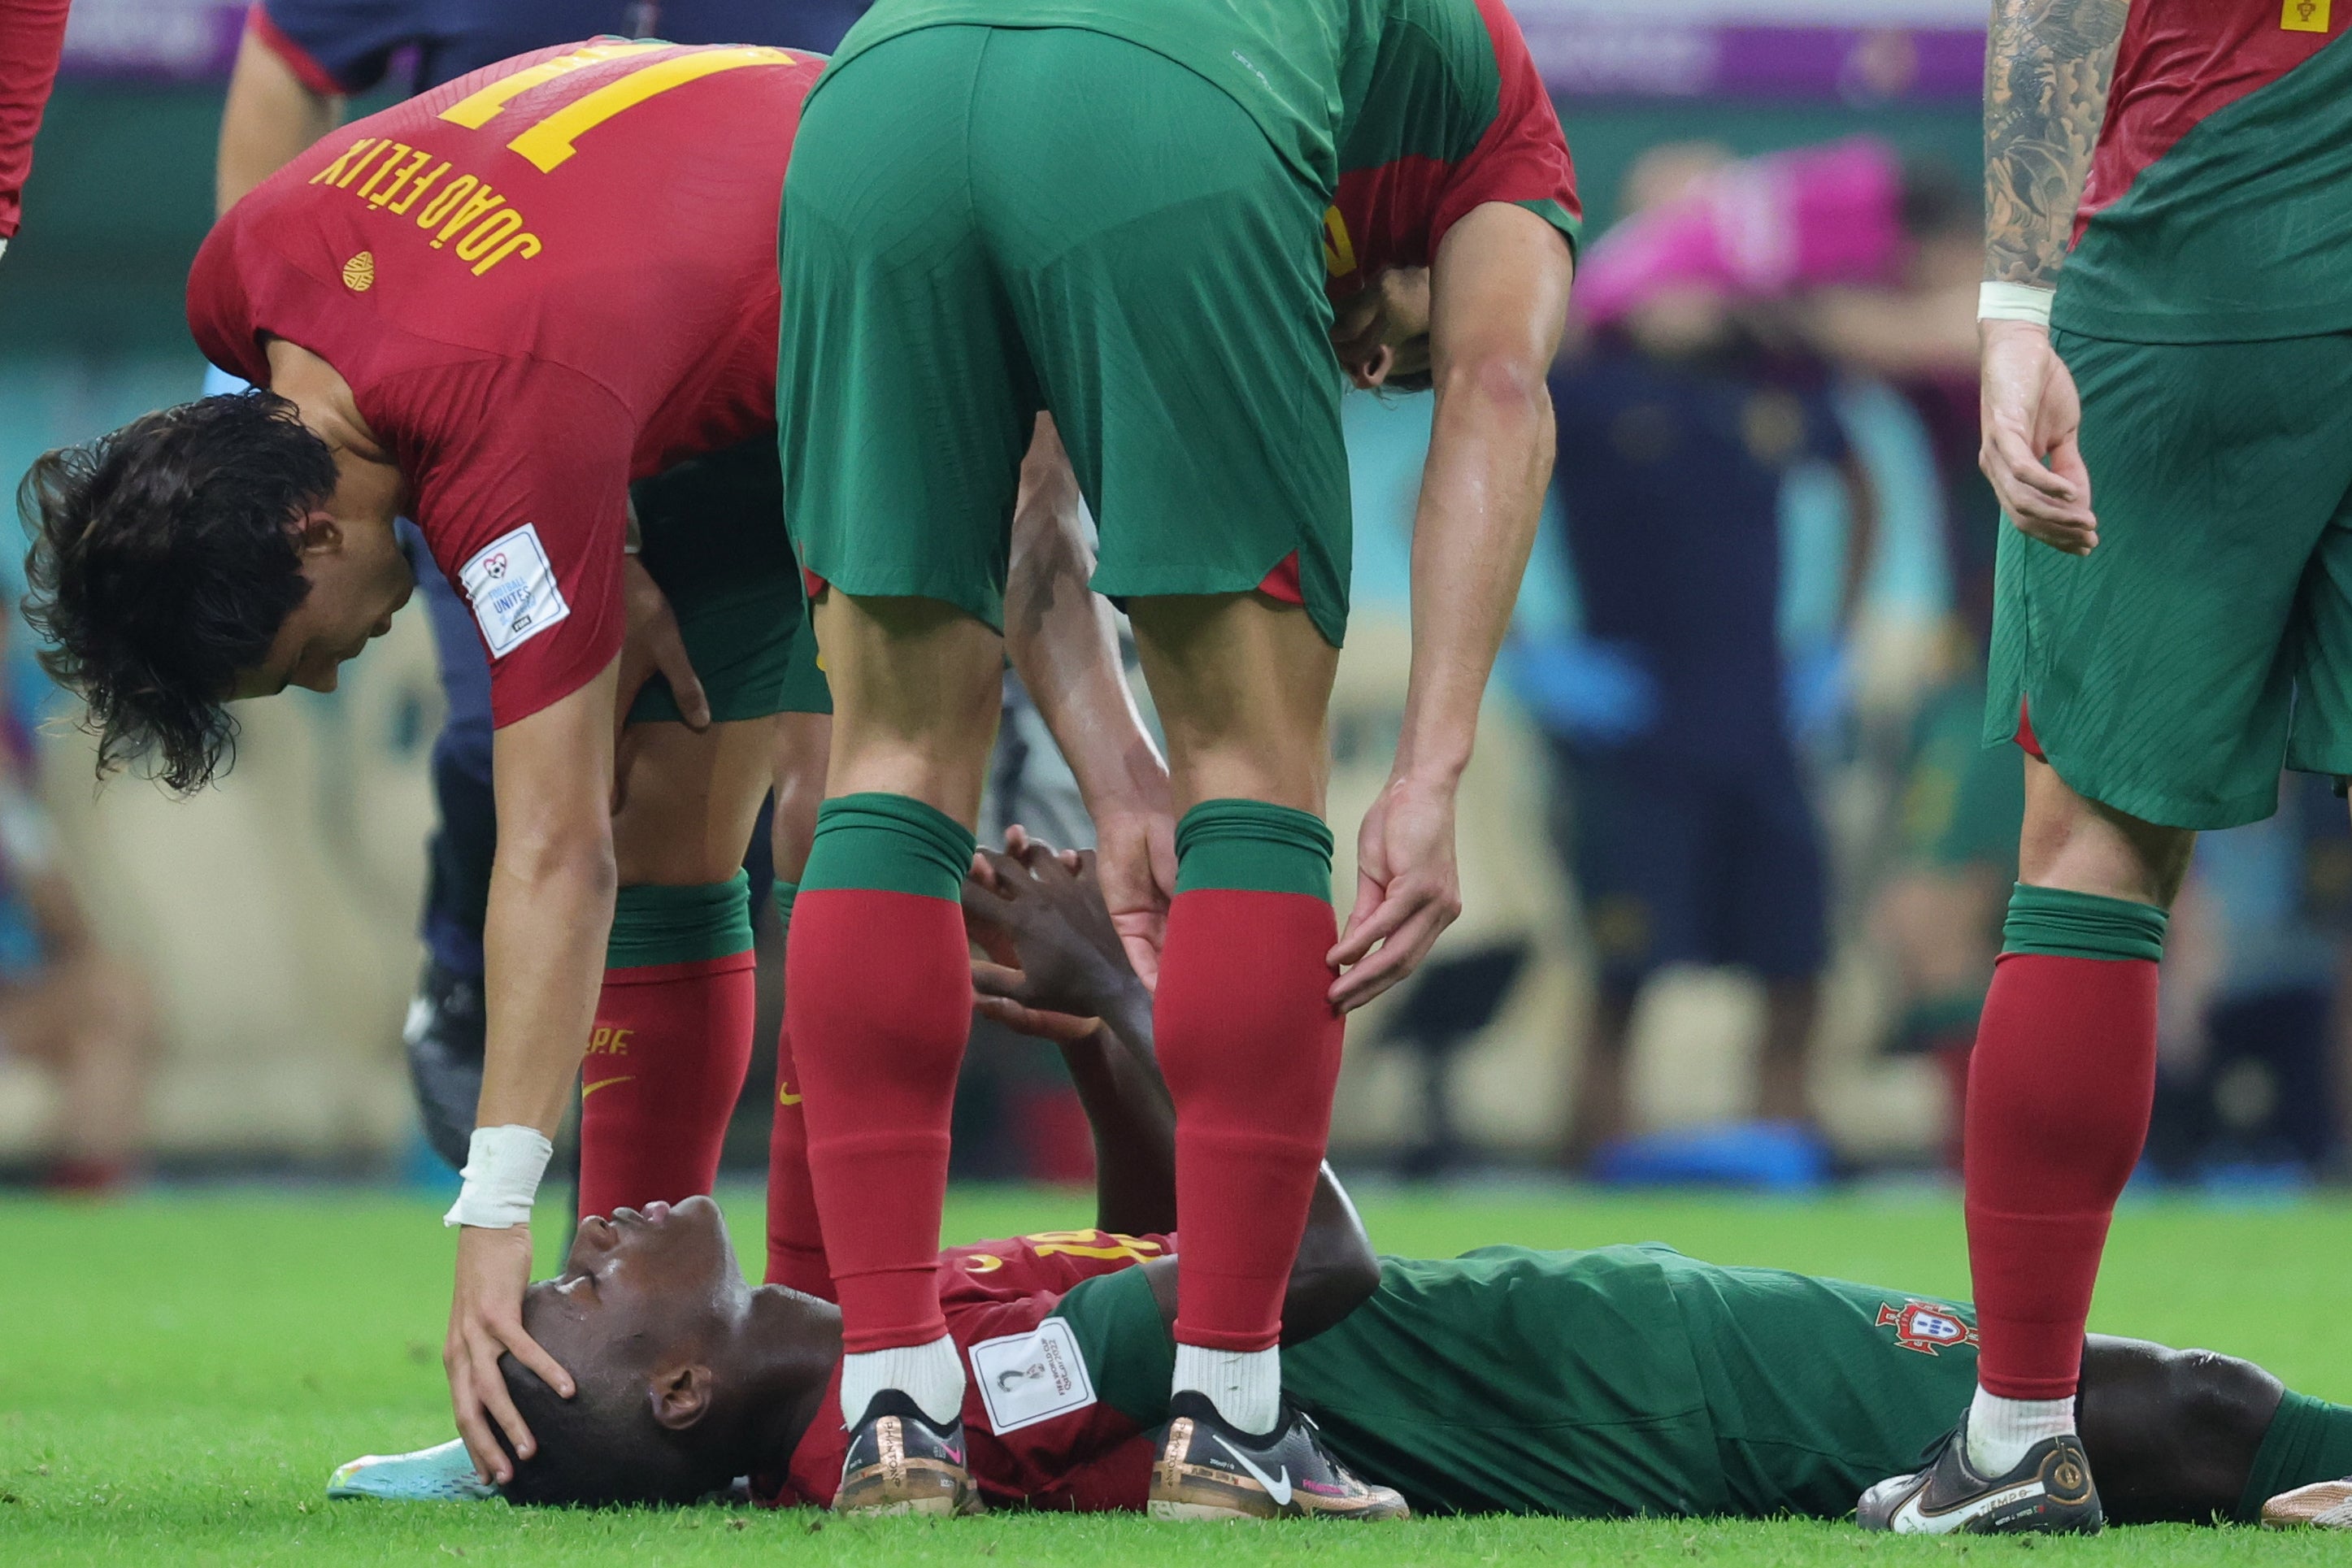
(1039,1429)
(32,36)
(1454,114)
(2181,61)
(541,281)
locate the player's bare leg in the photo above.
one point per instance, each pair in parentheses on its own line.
(879,1002)
(795,1239)
(2060,1089)
(673,1031)
(1598,1115)
(1246,1036)
(87,1018)
(1783,1062)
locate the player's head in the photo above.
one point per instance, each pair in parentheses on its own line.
(651,1317)
(1381,332)
(192,557)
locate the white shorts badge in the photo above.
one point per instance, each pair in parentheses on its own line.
(511,585)
(1025,1378)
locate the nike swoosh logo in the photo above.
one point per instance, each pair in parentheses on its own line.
(1920,1519)
(786,1097)
(1277,1490)
(588,1089)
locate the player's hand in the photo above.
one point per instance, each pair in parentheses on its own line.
(1408,890)
(650,646)
(1135,858)
(485,1321)
(2032,420)
(1055,962)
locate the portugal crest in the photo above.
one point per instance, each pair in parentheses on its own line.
(1926,1327)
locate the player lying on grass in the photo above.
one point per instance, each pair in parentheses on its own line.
(526,309)
(1620,1380)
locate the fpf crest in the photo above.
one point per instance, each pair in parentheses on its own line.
(1925,1327)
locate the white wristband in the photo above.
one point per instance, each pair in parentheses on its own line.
(2014,302)
(503,1165)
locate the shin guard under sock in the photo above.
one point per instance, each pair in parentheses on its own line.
(795,1241)
(878,999)
(672,1041)
(1251,1050)
(2060,1087)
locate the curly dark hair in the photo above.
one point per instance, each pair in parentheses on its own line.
(163,563)
(603,1449)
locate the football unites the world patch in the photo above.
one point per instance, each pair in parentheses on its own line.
(1926,1327)
(1025,1378)
(511,585)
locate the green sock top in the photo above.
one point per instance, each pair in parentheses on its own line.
(1252,846)
(2065,925)
(680,924)
(888,844)
(2309,1440)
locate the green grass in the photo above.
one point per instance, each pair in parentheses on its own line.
(178,1373)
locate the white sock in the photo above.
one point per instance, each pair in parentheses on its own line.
(929,1374)
(2000,1430)
(1245,1386)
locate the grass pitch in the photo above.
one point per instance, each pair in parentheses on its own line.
(179,1373)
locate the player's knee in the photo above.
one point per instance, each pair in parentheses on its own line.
(2218,1399)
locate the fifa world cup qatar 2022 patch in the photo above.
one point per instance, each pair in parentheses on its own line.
(511,585)
(1025,1378)
(1926,1327)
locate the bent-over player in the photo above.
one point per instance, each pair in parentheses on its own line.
(1155,219)
(1624,1380)
(494,309)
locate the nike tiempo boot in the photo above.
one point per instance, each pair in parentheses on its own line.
(444,1473)
(444,1033)
(1208,1470)
(900,1463)
(2325,1504)
(2048,1492)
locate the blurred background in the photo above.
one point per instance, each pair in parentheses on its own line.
(1733,858)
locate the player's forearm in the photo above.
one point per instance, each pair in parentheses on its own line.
(270,117)
(551,890)
(1134,1126)
(543,949)
(2048,66)
(1490,456)
(1063,640)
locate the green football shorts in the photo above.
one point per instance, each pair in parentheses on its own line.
(2208,639)
(1139,261)
(714,539)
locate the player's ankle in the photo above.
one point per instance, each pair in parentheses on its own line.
(1243,1386)
(2001,1431)
(930,1375)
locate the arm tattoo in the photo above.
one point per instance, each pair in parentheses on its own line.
(2048,66)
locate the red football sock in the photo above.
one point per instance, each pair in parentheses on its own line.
(664,1069)
(2059,1092)
(795,1241)
(1251,1051)
(878,996)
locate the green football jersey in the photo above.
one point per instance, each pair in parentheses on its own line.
(2219,207)
(1614,1382)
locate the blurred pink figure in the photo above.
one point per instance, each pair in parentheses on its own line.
(1755,229)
